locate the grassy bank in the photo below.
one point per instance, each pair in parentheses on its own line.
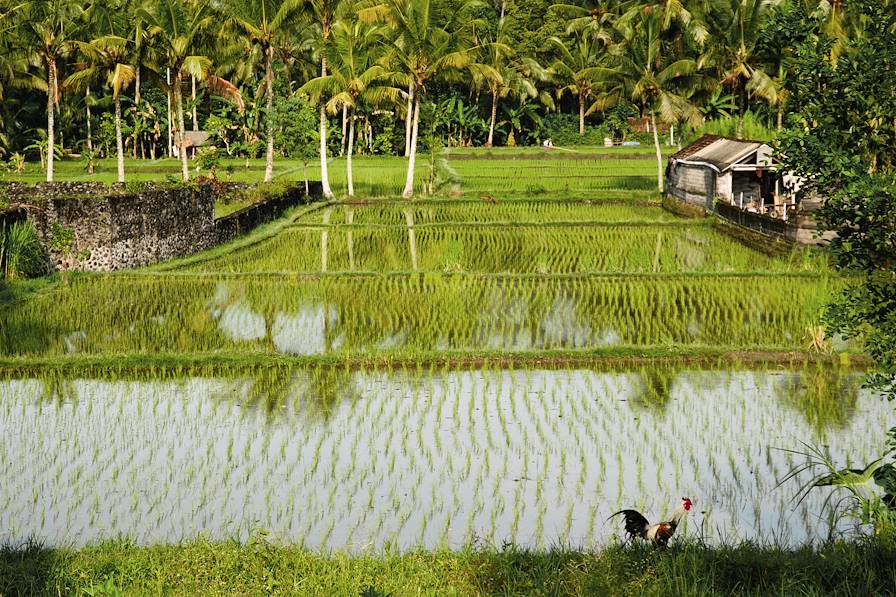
(257,568)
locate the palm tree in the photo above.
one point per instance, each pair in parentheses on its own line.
(109,55)
(46,27)
(425,50)
(322,14)
(574,69)
(176,28)
(264,23)
(355,78)
(735,53)
(641,75)
(510,79)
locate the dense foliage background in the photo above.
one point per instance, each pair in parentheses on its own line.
(544,68)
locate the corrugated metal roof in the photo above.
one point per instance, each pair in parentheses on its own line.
(720,152)
(695,147)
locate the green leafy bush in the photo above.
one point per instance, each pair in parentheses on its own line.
(21,253)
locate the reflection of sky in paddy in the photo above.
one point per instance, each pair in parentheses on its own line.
(537,457)
(310,330)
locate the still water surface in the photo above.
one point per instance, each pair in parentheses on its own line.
(361,460)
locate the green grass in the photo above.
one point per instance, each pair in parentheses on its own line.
(639,151)
(378,176)
(258,568)
(407,314)
(530,237)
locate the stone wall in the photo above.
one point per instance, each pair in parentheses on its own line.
(240,222)
(801,228)
(123,226)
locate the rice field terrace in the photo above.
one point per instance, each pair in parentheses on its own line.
(489,366)
(401,458)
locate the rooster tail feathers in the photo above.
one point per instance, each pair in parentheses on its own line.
(635,523)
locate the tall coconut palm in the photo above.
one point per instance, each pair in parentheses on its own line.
(322,14)
(575,68)
(264,23)
(355,78)
(46,28)
(109,55)
(425,49)
(654,84)
(735,52)
(511,80)
(176,27)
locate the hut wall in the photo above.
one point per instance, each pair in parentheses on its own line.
(692,184)
(724,187)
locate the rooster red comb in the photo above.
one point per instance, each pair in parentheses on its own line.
(686,502)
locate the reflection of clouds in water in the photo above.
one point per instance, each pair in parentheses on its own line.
(239,322)
(608,337)
(304,332)
(562,326)
(74,340)
(396,340)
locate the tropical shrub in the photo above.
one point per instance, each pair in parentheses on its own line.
(21,253)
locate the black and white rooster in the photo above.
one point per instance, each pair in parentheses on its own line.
(636,525)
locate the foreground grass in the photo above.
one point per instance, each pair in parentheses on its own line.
(258,568)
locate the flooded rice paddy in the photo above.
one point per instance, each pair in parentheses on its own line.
(363,443)
(361,460)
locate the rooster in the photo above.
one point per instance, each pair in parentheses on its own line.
(658,534)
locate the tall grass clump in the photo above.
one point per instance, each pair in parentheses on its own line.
(21,253)
(754,128)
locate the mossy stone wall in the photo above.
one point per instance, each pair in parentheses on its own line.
(124,226)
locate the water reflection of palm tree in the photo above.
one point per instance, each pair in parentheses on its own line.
(318,390)
(825,396)
(655,391)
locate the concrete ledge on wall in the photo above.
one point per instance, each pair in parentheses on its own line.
(124,226)
(240,222)
(683,208)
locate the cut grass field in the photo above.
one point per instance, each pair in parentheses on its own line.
(258,568)
(581,171)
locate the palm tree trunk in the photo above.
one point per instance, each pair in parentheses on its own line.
(742,114)
(659,153)
(269,119)
(170,123)
(89,125)
(349,219)
(344,125)
(408,121)
(137,84)
(409,182)
(181,137)
(51,120)
(193,100)
(581,115)
(491,126)
(351,142)
(119,143)
(324,179)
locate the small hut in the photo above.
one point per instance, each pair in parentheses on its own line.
(740,173)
